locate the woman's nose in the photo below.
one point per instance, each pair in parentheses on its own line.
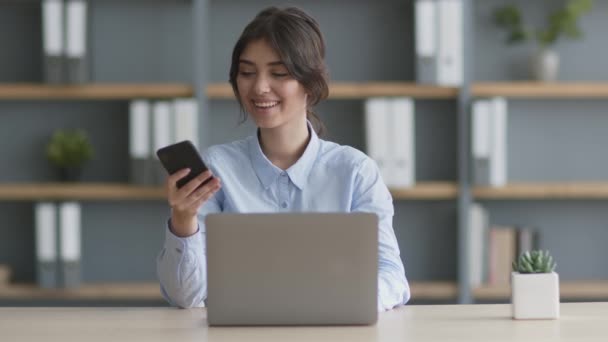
(261,85)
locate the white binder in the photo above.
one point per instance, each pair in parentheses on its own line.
(140,143)
(450,65)
(426,41)
(402,156)
(76,41)
(53,41)
(46,244)
(186,120)
(377,120)
(70,237)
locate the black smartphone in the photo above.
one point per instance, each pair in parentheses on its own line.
(179,156)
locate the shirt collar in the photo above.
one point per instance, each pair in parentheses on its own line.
(298,173)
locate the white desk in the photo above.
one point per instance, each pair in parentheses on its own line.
(579,322)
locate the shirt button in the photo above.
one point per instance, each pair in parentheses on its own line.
(284,205)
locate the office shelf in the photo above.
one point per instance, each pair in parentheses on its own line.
(117,191)
(427,191)
(592,289)
(101,91)
(78,191)
(434,290)
(343,90)
(151,291)
(545,190)
(98,91)
(122,291)
(541,90)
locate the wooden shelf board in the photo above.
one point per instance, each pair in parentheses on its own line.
(540,90)
(109,91)
(343,90)
(434,290)
(544,190)
(118,291)
(151,291)
(79,191)
(589,289)
(99,91)
(427,190)
(116,191)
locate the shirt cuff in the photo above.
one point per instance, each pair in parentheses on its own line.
(174,241)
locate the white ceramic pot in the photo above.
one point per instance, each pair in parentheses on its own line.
(546,65)
(535,295)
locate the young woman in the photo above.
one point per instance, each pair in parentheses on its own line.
(278,75)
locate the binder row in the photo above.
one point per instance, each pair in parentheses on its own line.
(439,42)
(58,244)
(64,36)
(390,139)
(156,124)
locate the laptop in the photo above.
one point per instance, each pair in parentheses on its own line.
(292,269)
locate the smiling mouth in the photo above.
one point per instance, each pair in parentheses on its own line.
(265,104)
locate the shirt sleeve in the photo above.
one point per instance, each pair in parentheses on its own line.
(371,195)
(181,264)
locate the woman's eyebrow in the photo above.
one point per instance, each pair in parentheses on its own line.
(248,62)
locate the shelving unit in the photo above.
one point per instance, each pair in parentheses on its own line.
(156,69)
(546,191)
(168,76)
(557,90)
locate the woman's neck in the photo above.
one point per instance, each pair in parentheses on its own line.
(284,145)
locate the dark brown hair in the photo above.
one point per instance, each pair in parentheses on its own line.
(298,41)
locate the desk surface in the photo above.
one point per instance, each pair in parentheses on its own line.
(578,322)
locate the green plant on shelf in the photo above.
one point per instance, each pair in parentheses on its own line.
(69,150)
(536,261)
(561,22)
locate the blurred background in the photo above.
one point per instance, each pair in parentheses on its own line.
(500,103)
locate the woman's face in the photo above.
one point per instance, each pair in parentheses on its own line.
(270,95)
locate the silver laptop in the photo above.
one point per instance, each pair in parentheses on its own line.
(292,269)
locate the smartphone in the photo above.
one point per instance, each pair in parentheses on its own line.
(179,156)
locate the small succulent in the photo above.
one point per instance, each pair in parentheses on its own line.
(69,148)
(534,262)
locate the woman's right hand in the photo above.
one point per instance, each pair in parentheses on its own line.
(186,201)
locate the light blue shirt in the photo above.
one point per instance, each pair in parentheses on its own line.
(327,178)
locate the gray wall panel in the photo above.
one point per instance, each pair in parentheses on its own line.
(120,240)
(17,246)
(137,41)
(21,56)
(427,234)
(558,141)
(436,133)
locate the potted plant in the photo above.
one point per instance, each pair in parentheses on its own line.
(562,22)
(535,286)
(69,150)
